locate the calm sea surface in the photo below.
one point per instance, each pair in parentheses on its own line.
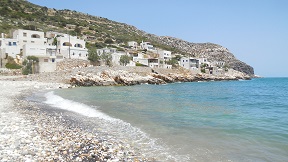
(203,121)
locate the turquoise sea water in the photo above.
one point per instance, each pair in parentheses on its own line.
(203,121)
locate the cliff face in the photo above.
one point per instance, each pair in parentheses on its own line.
(16,14)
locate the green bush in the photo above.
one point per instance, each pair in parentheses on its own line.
(28,65)
(108,41)
(139,64)
(93,56)
(125,59)
(13,66)
(203,71)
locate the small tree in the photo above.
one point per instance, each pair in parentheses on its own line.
(78,30)
(173,62)
(93,56)
(124,60)
(178,57)
(203,67)
(54,43)
(108,41)
(107,58)
(30,65)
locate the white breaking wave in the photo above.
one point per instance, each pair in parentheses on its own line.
(80,108)
(148,145)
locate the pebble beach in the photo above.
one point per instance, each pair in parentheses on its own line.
(30,133)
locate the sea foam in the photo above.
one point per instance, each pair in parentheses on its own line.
(125,130)
(80,108)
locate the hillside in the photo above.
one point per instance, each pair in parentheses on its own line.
(16,14)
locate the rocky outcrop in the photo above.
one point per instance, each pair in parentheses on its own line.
(68,64)
(120,77)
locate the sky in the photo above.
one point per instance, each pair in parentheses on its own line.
(255,31)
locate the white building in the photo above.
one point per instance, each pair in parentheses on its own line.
(218,63)
(116,57)
(106,50)
(147,45)
(215,71)
(165,55)
(150,62)
(9,47)
(71,47)
(133,44)
(190,64)
(153,62)
(204,61)
(29,37)
(46,55)
(33,43)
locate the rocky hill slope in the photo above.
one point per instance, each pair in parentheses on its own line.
(16,14)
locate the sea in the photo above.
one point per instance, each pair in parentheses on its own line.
(244,120)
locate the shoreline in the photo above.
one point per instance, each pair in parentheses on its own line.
(31,132)
(124,76)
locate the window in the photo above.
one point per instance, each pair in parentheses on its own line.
(80,54)
(35,36)
(14,44)
(24,41)
(46,60)
(24,34)
(67,44)
(10,43)
(32,41)
(53,59)
(78,45)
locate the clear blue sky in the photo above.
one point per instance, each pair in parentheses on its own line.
(255,31)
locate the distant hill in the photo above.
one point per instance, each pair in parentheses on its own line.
(15,14)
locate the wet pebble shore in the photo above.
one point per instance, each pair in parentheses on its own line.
(28,133)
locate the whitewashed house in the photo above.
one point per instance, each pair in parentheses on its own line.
(203,61)
(29,37)
(213,70)
(116,57)
(190,64)
(146,60)
(71,47)
(153,62)
(148,46)
(133,45)
(33,43)
(219,64)
(165,55)
(141,59)
(106,50)
(9,47)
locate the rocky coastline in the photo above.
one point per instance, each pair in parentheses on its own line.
(82,73)
(125,78)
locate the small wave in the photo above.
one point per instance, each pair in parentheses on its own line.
(149,145)
(59,102)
